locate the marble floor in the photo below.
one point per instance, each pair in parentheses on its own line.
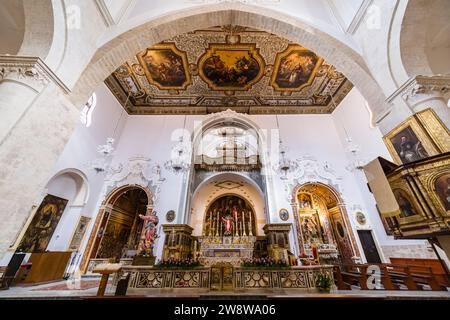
(87,288)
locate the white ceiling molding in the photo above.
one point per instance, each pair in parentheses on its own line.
(357,18)
(109,17)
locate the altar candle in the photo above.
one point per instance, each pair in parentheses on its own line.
(217,224)
(243,221)
(210,222)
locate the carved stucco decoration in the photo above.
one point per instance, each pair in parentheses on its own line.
(310,170)
(31,71)
(136,171)
(256,97)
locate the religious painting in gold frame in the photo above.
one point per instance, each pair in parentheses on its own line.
(165,66)
(79,233)
(294,69)
(435,128)
(231,67)
(409,142)
(41,228)
(407,208)
(442,187)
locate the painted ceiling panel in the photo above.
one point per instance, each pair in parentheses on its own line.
(228,67)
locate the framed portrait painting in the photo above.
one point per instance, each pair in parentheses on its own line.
(409,142)
(78,234)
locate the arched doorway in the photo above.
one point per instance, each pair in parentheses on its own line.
(323,229)
(118,229)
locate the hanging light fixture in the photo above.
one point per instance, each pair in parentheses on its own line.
(352,148)
(284,165)
(101,164)
(180,162)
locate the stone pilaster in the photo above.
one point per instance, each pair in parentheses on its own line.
(37,121)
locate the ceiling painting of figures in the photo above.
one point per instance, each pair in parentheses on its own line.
(228,67)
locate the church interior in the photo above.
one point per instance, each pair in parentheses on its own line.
(235,147)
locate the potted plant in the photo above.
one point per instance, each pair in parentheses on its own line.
(324,283)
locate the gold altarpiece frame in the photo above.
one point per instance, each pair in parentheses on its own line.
(426,129)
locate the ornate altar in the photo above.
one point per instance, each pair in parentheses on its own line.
(226,249)
(229,231)
(178,242)
(318,240)
(278,240)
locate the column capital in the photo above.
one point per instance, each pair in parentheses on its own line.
(31,71)
(420,88)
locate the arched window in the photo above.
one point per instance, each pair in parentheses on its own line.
(86,113)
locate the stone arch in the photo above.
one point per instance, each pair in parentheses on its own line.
(82,186)
(210,203)
(421,46)
(342,212)
(113,53)
(38,36)
(104,211)
(201,201)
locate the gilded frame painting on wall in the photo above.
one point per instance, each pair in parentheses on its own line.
(79,233)
(409,142)
(295,68)
(442,187)
(231,67)
(165,66)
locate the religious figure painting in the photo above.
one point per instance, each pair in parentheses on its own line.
(311,229)
(79,233)
(231,67)
(165,66)
(295,68)
(408,146)
(304,201)
(442,186)
(406,207)
(43,224)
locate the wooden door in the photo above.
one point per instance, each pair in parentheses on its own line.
(369,246)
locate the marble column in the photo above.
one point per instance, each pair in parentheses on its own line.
(37,121)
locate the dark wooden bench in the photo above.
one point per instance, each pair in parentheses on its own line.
(392,277)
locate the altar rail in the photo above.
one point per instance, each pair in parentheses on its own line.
(142,277)
(295,278)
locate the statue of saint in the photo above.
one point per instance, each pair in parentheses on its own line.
(148,232)
(228,222)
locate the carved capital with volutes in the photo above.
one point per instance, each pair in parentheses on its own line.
(30,71)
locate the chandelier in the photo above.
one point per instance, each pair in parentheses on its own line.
(284,165)
(180,160)
(101,164)
(356,163)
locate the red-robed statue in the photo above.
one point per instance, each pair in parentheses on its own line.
(148,233)
(228,222)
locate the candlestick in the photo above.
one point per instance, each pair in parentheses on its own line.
(210,223)
(243,223)
(250,227)
(217,224)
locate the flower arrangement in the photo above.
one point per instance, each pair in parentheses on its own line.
(172,263)
(324,282)
(264,263)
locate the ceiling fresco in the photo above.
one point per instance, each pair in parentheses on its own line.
(221,68)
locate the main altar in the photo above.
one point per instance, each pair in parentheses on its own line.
(226,249)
